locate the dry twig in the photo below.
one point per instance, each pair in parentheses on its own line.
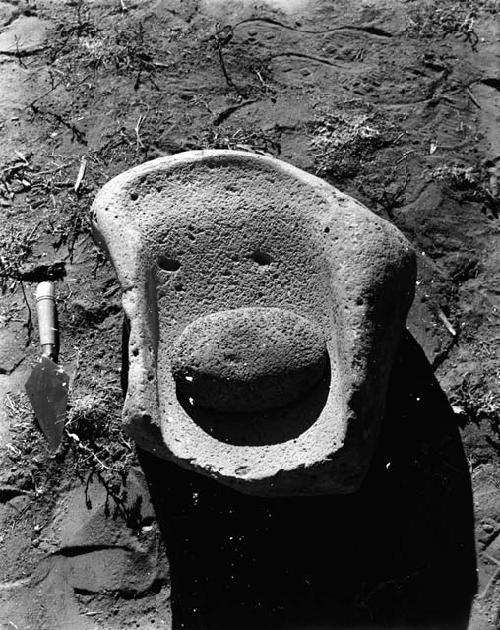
(447,323)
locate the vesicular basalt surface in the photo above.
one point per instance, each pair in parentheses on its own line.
(265,309)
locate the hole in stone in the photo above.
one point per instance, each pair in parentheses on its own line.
(168,264)
(327,230)
(261,258)
(134,196)
(135,352)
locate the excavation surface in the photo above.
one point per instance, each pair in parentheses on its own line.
(396,104)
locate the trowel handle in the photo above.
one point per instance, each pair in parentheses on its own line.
(46,311)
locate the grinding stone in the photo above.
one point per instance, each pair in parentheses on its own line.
(209,243)
(248,359)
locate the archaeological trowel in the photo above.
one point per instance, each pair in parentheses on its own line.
(47,386)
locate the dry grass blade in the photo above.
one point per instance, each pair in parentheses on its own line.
(81,173)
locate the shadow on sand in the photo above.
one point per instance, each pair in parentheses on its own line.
(397,554)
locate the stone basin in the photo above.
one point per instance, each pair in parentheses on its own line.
(265,309)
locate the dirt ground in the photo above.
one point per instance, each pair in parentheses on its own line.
(395,102)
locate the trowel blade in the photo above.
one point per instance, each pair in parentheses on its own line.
(47,388)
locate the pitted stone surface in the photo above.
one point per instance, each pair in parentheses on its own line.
(248,359)
(202,233)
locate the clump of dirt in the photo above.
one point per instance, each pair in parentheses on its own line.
(343,141)
(471,183)
(426,20)
(16,248)
(94,435)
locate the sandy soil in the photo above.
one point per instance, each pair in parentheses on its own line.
(395,102)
